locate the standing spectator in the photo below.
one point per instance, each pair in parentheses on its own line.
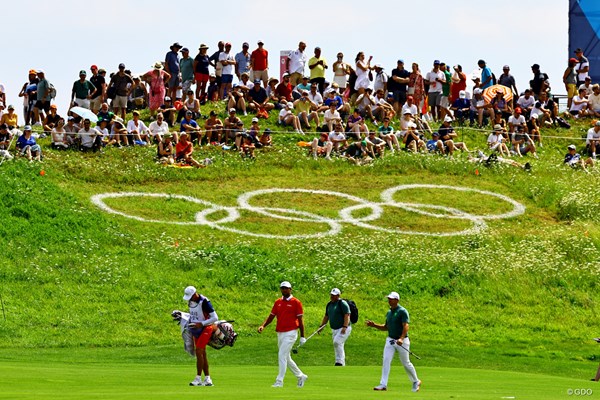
(228,63)
(156,78)
(396,324)
(186,65)
(337,313)
(259,63)
(202,318)
(201,72)
(317,66)
(435,78)
(138,95)
(289,313)
(582,68)
(445,99)
(172,68)
(121,83)
(380,80)
(570,81)
(242,61)
(363,69)
(487,77)
(99,95)
(459,83)
(214,61)
(506,79)
(27,146)
(295,62)
(398,85)
(416,86)
(540,82)
(42,103)
(340,72)
(29,94)
(82,91)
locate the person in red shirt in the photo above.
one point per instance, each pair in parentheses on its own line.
(259,62)
(289,313)
(284,89)
(184,150)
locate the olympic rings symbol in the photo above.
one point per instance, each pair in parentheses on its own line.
(345,215)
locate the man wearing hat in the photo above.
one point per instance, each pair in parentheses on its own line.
(202,318)
(228,63)
(43,98)
(396,324)
(574,160)
(259,63)
(434,79)
(582,68)
(172,68)
(121,82)
(242,61)
(289,313)
(83,90)
(337,313)
(100,84)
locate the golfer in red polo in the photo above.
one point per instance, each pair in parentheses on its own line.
(288,311)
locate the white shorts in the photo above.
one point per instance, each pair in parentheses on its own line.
(85,103)
(341,80)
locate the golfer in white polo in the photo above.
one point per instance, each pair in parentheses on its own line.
(337,313)
(396,323)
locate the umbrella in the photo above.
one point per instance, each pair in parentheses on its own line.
(490,92)
(85,113)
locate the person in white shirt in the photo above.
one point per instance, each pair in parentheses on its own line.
(380,79)
(365,103)
(287,117)
(158,128)
(332,116)
(594,101)
(579,105)
(337,138)
(137,130)
(228,63)
(516,122)
(495,142)
(593,140)
(435,78)
(526,102)
(583,66)
(295,62)
(410,106)
(90,139)
(587,85)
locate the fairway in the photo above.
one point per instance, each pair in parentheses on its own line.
(134,381)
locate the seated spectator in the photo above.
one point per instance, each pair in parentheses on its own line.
(435,145)
(169,112)
(526,102)
(265,138)
(549,105)
(447,136)
(462,108)
(184,150)
(579,105)
(375,145)
(341,107)
(316,98)
(10,118)
(516,122)
(522,144)
(338,139)
(213,128)
(300,87)
(534,129)
(272,90)
(59,136)
(230,126)
(356,153)
(413,142)
(544,116)
(410,106)
(158,128)
(245,83)
(365,103)
(331,117)
(587,85)
(258,100)
(594,101)
(355,126)
(247,147)
(480,108)
(27,146)
(382,109)
(496,143)
(236,98)
(322,146)
(5,141)
(386,133)
(190,126)
(71,129)
(500,105)
(284,89)
(119,132)
(189,104)
(89,137)
(306,110)
(137,131)
(165,151)
(592,143)
(574,159)
(51,119)
(212,92)
(103,132)
(287,118)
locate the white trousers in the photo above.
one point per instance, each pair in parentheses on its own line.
(338,344)
(388,355)
(285,341)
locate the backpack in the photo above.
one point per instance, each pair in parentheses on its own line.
(51,90)
(494,80)
(563,123)
(353,310)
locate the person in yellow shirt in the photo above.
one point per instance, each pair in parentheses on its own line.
(10,118)
(317,66)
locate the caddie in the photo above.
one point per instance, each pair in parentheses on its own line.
(202,318)
(337,313)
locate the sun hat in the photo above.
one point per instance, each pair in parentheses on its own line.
(188,293)
(158,65)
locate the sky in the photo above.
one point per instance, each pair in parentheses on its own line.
(74,35)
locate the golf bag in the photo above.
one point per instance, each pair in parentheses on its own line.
(223,333)
(353,310)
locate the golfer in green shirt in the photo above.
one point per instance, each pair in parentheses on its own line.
(337,313)
(396,323)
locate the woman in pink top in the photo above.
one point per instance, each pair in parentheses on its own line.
(416,87)
(157,78)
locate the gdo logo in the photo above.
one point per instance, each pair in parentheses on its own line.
(580,392)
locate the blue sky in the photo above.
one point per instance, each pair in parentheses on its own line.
(65,37)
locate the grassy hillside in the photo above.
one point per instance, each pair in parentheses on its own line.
(519,294)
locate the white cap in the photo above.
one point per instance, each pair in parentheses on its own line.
(335,291)
(254,119)
(572,147)
(290,104)
(477,91)
(448,118)
(285,284)
(462,94)
(188,293)
(393,295)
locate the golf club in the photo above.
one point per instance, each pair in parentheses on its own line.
(295,351)
(393,342)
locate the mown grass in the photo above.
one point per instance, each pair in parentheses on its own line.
(521,295)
